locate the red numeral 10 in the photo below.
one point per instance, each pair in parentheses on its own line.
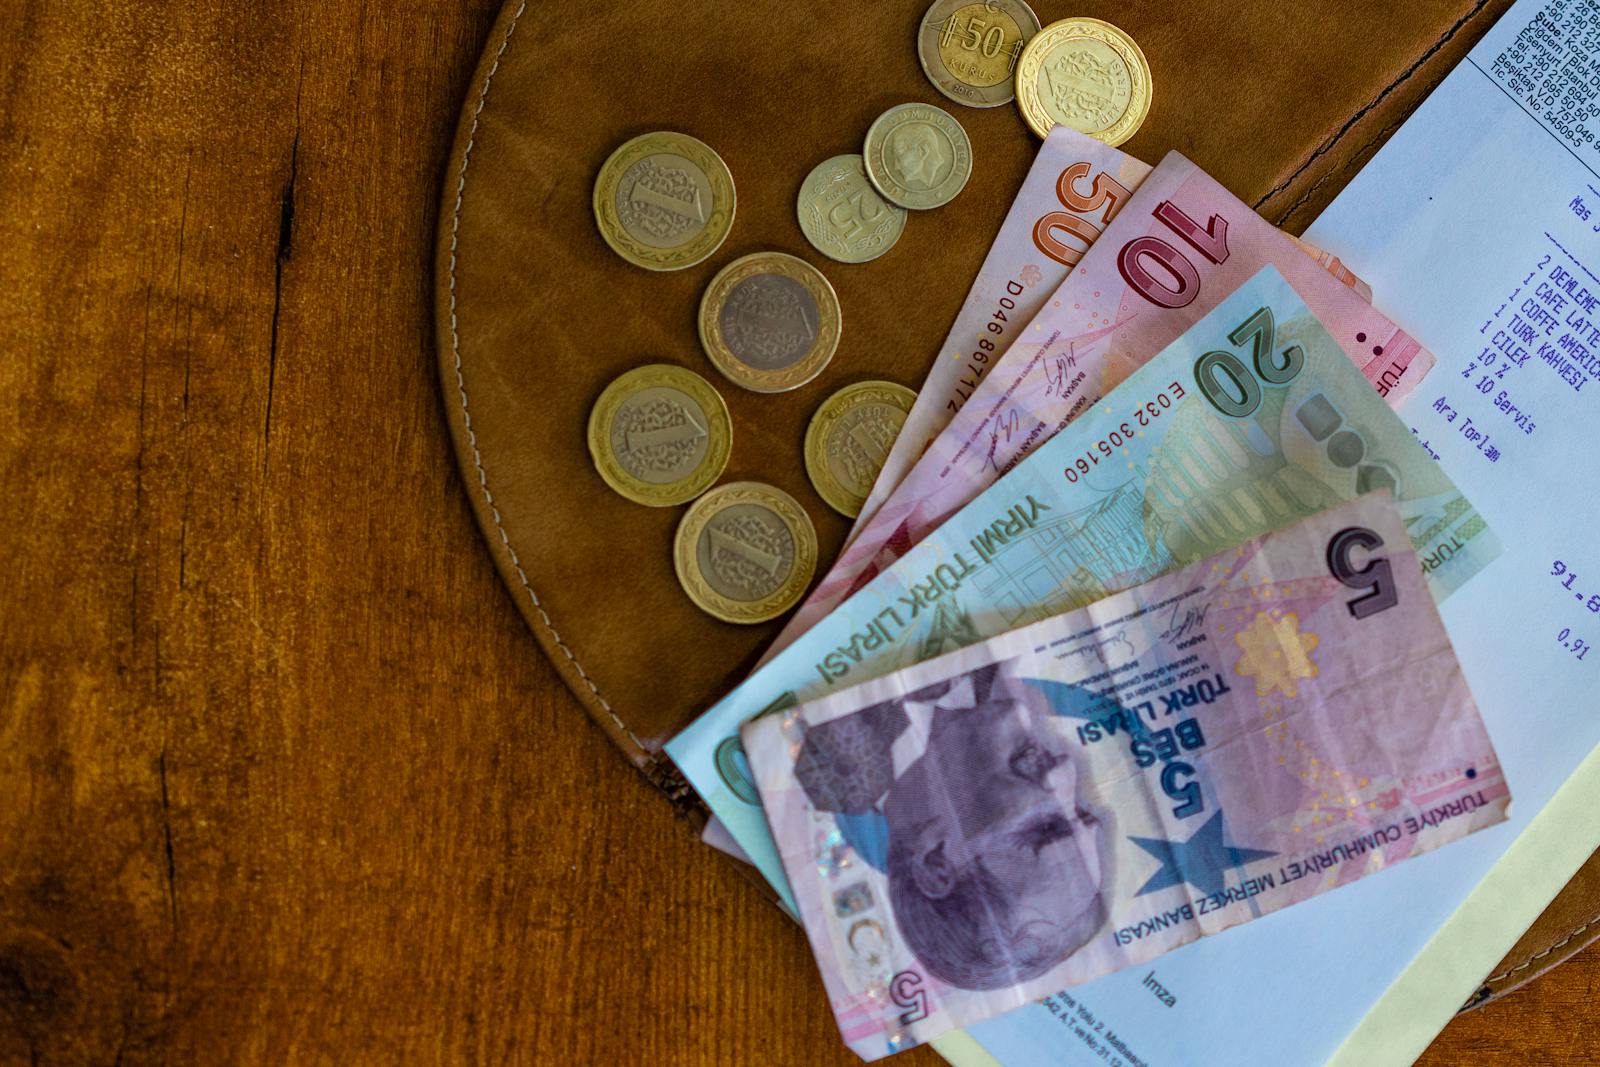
(1054,230)
(1160,272)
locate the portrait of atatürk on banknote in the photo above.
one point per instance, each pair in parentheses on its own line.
(966,796)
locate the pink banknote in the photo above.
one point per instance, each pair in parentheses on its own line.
(1083,794)
(1180,245)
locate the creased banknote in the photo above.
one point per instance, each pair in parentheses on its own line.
(1182,243)
(1091,791)
(1253,419)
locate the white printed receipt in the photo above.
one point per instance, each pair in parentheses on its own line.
(1478,227)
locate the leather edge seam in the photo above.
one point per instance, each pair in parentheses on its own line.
(466,417)
(1486,990)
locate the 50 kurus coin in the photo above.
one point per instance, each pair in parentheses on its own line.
(969,50)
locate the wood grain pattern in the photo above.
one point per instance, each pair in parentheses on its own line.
(283,778)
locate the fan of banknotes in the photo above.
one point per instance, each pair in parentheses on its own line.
(1135,638)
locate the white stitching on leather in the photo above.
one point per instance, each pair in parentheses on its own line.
(1531,960)
(461,387)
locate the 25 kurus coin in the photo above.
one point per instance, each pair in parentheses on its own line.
(769,322)
(969,51)
(664,201)
(660,435)
(1087,74)
(849,439)
(918,156)
(745,552)
(843,215)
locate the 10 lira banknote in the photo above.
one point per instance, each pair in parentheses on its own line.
(1088,792)
(1253,419)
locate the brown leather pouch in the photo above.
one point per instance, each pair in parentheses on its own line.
(1281,102)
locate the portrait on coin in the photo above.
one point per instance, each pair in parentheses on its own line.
(995,866)
(921,154)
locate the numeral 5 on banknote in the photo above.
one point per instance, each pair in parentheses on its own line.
(1088,792)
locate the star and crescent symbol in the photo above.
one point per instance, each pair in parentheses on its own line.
(1200,861)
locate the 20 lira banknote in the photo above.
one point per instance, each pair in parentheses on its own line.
(1251,420)
(1088,792)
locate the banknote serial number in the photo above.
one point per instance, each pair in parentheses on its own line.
(1143,415)
(983,352)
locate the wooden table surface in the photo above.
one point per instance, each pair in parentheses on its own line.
(283,778)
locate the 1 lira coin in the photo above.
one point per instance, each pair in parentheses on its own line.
(849,439)
(1086,74)
(843,216)
(969,51)
(745,552)
(660,435)
(769,322)
(664,201)
(918,156)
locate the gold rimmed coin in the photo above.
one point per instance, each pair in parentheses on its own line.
(745,552)
(843,216)
(1086,74)
(969,51)
(660,435)
(849,439)
(769,322)
(664,201)
(918,156)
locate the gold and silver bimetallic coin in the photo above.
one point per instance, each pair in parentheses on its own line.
(843,216)
(1086,74)
(969,51)
(849,439)
(664,201)
(769,322)
(745,552)
(918,156)
(660,435)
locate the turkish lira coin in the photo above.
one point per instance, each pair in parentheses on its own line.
(849,438)
(969,51)
(918,156)
(664,201)
(843,216)
(769,322)
(1087,74)
(745,552)
(660,435)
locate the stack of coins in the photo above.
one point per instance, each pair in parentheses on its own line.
(660,434)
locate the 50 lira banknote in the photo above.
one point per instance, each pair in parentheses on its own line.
(1251,420)
(1086,793)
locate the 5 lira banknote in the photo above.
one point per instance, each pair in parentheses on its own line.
(1085,793)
